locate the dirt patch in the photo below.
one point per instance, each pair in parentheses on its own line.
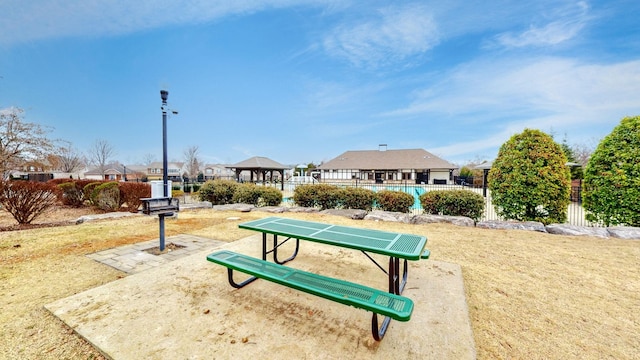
(167,249)
(54,217)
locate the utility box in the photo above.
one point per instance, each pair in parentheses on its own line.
(156,189)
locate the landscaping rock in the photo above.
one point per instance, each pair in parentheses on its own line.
(354,214)
(236,207)
(566,229)
(515,225)
(624,232)
(109,215)
(196,205)
(455,220)
(300,209)
(378,215)
(272,209)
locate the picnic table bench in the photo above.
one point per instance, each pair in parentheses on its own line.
(390,304)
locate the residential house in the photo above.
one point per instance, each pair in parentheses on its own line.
(388,166)
(113,171)
(175,171)
(117,172)
(217,171)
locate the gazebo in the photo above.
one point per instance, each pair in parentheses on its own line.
(259,166)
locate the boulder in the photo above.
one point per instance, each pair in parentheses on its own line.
(195,205)
(515,225)
(300,209)
(272,209)
(235,207)
(378,215)
(567,229)
(354,214)
(109,215)
(455,220)
(624,232)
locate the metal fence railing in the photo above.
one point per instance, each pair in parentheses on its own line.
(575,211)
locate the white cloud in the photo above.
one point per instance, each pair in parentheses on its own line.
(504,97)
(565,25)
(395,34)
(41,19)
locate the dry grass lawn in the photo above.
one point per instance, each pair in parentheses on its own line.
(530,295)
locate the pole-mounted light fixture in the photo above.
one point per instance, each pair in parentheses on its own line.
(164,94)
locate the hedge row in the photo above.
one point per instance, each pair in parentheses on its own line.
(105,195)
(222,192)
(326,196)
(442,202)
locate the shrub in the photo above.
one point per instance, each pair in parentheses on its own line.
(453,203)
(396,201)
(106,196)
(26,200)
(304,195)
(247,194)
(324,196)
(177,193)
(357,198)
(270,196)
(327,196)
(60,181)
(611,178)
(529,180)
(132,193)
(71,194)
(87,190)
(218,192)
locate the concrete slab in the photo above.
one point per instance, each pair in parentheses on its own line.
(185,309)
(134,258)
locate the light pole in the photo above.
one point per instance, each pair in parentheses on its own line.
(164,94)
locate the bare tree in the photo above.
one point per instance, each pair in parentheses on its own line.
(582,152)
(20,141)
(100,154)
(148,158)
(68,158)
(193,163)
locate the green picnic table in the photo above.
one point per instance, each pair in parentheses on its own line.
(397,246)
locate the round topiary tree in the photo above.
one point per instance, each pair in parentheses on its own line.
(611,186)
(529,180)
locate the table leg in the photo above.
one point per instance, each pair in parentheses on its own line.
(397,281)
(275,250)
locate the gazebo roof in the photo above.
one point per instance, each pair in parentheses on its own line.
(258,163)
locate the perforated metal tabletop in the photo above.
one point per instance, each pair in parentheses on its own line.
(403,246)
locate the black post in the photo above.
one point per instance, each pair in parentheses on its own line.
(485,175)
(164,94)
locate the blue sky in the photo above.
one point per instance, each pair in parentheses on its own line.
(303,81)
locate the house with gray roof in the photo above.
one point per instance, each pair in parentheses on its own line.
(217,171)
(388,166)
